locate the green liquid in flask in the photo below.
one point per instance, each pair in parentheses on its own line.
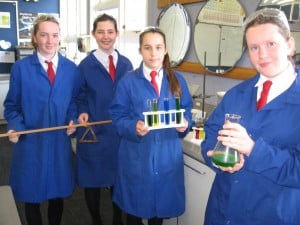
(224,160)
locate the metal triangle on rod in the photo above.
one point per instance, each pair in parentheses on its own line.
(88,130)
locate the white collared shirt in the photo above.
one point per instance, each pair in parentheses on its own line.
(158,78)
(280,83)
(102,57)
(54,60)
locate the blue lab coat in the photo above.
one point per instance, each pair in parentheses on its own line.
(97,162)
(150,181)
(267,189)
(42,166)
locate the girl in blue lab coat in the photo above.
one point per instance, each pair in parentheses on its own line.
(264,188)
(97,162)
(42,167)
(150,181)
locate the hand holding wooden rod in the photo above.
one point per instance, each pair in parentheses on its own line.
(57,128)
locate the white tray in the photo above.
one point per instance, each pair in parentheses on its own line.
(190,138)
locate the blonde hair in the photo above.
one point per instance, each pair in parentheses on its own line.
(37,22)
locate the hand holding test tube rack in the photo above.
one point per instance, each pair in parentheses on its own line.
(167,118)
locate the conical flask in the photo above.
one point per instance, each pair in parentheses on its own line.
(223,155)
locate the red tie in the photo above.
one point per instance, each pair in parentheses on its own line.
(153,81)
(50,71)
(264,94)
(112,69)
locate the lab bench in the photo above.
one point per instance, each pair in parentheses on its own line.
(198,181)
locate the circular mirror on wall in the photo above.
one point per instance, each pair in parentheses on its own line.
(218,36)
(291,8)
(173,20)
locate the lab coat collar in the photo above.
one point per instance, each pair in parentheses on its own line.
(290,96)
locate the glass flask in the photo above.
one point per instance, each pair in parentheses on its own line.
(223,155)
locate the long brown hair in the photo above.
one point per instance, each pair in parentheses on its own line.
(171,77)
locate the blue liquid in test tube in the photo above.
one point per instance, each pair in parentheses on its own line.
(166,109)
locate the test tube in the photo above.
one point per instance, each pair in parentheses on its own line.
(198,125)
(177,105)
(166,109)
(149,116)
(155,109)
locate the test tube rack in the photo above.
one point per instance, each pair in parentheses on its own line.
(164,119)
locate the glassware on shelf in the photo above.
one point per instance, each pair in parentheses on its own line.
(223,155)
(198,128)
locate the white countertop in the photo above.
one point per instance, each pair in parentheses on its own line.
(191,147)
(4,77)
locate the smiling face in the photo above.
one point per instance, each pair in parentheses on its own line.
(105,35)
(153,50)
(268,49)
(47,38)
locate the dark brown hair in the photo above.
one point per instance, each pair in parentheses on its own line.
(172,79)
(104,17)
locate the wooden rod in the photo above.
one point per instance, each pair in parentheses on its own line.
(56,128)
